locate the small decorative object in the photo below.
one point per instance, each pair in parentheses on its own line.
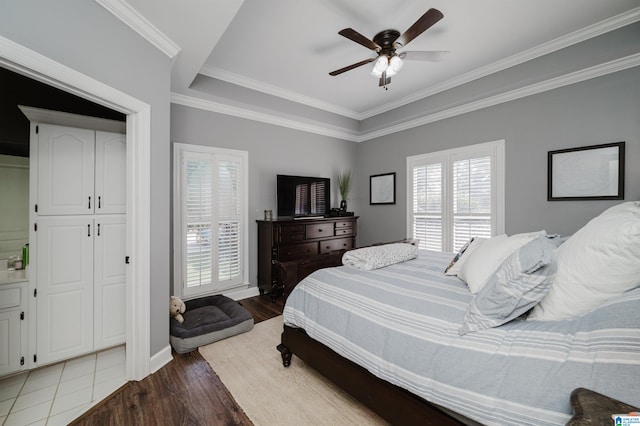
(586,173)
(268,215)
(344,184)
(382,189)
(177,308)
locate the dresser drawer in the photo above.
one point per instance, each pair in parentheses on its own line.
(290,233)
(297,251)
(344,231)
(344,224)
(338,244)
(319,230)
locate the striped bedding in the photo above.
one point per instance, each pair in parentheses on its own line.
(401,323)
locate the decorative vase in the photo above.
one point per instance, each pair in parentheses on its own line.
(343,205)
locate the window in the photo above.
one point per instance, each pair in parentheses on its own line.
(210,219)
(456,194)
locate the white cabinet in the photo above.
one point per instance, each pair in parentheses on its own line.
(110,173)
(80,171)
(81,285)
(64,301)
(78,238)
(65,170)
(109,282)
(12,328)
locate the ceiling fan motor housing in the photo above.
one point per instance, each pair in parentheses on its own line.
(386,40)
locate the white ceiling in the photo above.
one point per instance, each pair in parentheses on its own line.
(287,47)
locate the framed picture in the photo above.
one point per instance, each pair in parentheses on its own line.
(382,189)
(587,173)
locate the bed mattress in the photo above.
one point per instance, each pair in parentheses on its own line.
(401,323)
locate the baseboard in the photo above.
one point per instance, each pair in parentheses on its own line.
(160,359)
(243,293)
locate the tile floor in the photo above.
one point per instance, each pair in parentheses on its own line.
(57,394)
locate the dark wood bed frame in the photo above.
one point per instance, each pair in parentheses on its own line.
(392,403)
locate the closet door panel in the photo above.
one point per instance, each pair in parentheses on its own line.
(64,288)
(65,170)
(109,281)
(111,173)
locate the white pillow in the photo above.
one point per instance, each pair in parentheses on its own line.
(598,263)
(488,257)
(629,206)
(462,256)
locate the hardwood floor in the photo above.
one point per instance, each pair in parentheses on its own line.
(184,392)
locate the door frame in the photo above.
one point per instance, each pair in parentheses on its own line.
(27,62)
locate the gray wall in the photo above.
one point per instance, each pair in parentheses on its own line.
(85,37)
(601,110)
(272,150)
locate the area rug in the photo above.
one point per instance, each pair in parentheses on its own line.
(251,368)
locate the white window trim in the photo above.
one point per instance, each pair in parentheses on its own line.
(178,150)
(497,149)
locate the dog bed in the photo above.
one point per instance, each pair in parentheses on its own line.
(207,320)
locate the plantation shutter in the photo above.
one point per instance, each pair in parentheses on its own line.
(453,195)
(427,206)
(199,221)
(471,200)
(229,215)
(212,193)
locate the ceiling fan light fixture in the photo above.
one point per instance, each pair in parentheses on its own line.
(395,65)
(381,65)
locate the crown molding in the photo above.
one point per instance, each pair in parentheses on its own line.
(559,43)
(511,95)
(207,105)
(610,67)
(562,42)
(138,23)
(41,115)
(249,83)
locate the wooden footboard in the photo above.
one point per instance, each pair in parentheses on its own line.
(392,403)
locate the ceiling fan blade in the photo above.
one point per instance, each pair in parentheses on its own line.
(430,55)
(352,66)
(430,17)
(353,35)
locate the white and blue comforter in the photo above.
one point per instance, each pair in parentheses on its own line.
(401,323)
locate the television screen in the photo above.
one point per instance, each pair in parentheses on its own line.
(300,196)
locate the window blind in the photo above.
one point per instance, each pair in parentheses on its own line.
(453,195)
(229,214)
(211,218)
(199,222)
(427,206)
(471,200)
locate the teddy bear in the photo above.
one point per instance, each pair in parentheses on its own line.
(177,308)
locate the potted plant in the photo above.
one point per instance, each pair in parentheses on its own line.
(344,185)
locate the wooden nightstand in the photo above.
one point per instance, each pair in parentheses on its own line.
(594,409)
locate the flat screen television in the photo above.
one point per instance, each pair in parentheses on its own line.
(303,196)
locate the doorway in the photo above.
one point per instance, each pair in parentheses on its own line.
(26,62)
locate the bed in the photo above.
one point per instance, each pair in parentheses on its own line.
(394,338)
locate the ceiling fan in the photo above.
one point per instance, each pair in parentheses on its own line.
(385,43)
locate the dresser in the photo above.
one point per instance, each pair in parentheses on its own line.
(284,240)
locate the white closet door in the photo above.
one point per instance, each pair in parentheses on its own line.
(65,287)
(109,281)
(111,172)
(66,170)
